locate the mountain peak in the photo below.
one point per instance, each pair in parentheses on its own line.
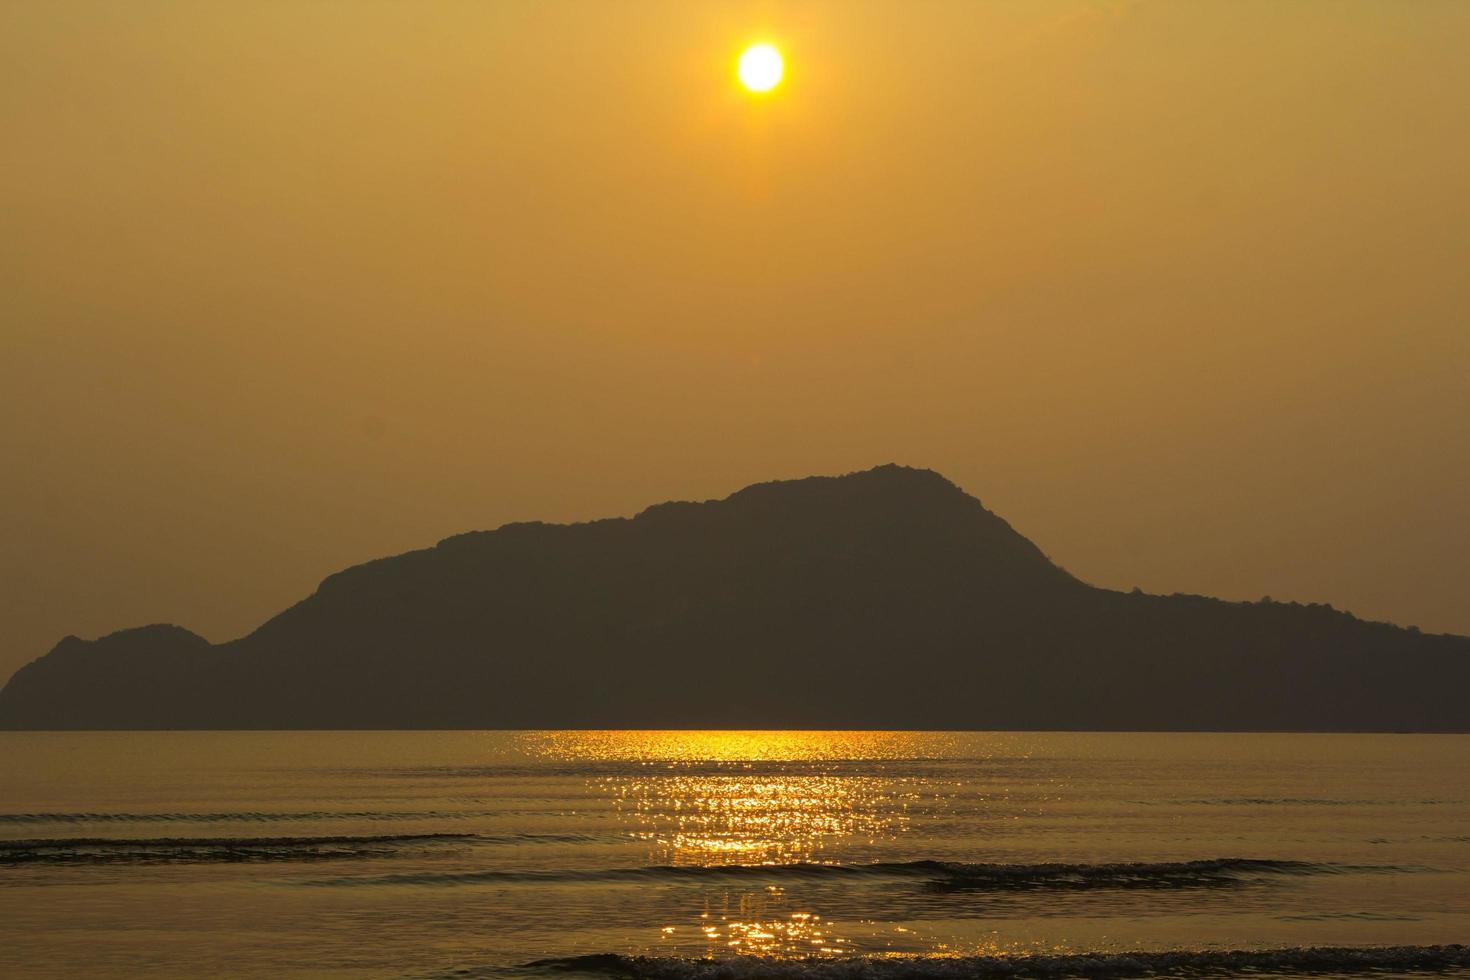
(911,479)
(888,482)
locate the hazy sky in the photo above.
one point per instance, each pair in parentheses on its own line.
(1179,289)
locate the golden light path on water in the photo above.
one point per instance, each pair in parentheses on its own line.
(473,854)
(712,798)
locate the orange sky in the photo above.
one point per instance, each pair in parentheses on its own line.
(1180,290)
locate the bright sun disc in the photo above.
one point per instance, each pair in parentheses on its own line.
(761,68)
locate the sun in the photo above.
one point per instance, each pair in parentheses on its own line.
(761,67)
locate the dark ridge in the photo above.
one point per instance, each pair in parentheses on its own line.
(882,599)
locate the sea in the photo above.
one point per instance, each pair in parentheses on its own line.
(733,855)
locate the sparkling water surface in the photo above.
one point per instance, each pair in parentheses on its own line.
(429,854)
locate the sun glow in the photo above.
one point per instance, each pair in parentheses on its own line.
(761,67)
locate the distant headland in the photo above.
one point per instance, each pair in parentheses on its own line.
(887,598)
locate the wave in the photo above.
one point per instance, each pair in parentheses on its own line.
(1292,960)
(194,850)
(1349,917)
(939,874)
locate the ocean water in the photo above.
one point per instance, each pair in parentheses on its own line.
(733,854)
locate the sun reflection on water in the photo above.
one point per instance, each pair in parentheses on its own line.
(762,798)
(719,819)
(759,924)
(688,747)
(712,798)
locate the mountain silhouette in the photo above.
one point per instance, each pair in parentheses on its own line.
(882,599)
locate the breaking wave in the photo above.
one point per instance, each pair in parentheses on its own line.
(1175,963)
(941,874)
